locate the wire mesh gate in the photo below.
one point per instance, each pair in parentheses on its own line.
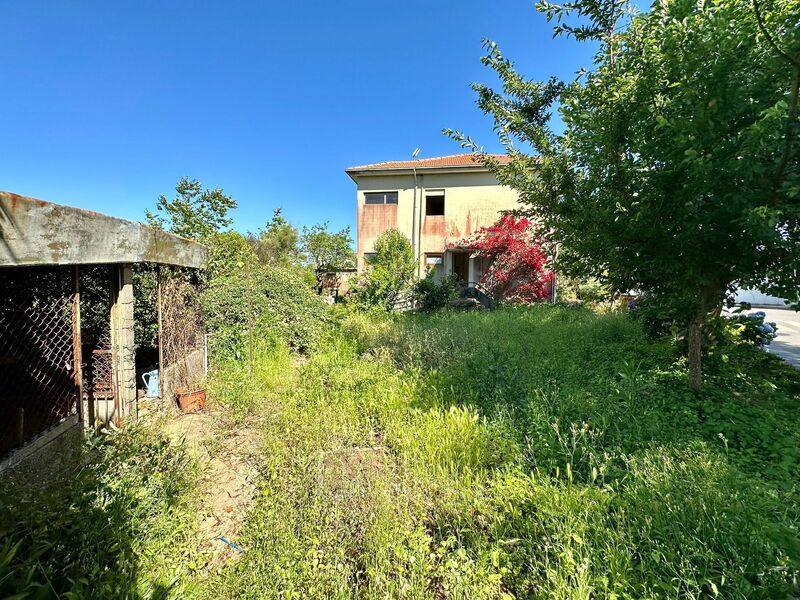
(182,331)
(98,364)
(38,385)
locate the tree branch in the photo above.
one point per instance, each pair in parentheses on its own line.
(760,20)
(777,178)
(791,113)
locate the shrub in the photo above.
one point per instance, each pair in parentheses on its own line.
(276,300)
(389,274)
(517,271)
(587,290)
(428,295)
(750,329)
(227,252)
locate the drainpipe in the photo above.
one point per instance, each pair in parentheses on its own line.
(414,221)
(419,226)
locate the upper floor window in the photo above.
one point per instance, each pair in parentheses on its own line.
(380,198)
(434,205)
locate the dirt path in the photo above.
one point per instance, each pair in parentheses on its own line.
(228,458)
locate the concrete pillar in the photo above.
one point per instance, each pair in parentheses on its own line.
(123,350)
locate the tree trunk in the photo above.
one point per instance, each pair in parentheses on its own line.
(696,351)
(710,302)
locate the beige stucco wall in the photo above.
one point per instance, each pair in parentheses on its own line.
(472,200)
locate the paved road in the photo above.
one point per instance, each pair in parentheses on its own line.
(787,343)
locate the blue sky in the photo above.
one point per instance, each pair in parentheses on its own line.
(105,105)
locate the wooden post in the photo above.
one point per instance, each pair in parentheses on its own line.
(77,350)
(162,378)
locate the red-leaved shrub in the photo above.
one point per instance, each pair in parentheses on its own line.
(517,270)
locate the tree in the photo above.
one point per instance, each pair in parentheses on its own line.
(277,243)
(517,270)
(195,212)
(389,273)
(677,170)
(327,252)
(229,253)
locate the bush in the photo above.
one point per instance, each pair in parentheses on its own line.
(389,274)
(276,300)
(589,290)
(429,295)
(751,329)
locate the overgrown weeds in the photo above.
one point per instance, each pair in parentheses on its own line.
(119,525)
(544,452)
(537,452)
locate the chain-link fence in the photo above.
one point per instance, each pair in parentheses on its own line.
(182,331)
(38,387)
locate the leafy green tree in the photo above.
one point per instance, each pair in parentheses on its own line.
(389,273)
(277,243)
(229,252)
(677,171)
(327,252)
(194,212)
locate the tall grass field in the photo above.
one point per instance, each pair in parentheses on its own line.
(538,452)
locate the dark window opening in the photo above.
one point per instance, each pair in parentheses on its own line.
(369,257)
(434,206)
(380,198)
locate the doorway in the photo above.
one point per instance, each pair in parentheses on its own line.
(461,266)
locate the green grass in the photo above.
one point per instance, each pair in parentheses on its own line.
(118,522)
(541,452)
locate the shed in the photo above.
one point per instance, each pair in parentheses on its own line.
(67,350)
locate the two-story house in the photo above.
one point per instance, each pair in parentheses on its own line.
(435,202)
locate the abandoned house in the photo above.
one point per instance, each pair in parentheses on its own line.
(435,202)
(76,343)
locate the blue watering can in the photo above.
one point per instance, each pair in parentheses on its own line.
(150,380)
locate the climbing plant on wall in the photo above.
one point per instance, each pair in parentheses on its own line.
(517,269)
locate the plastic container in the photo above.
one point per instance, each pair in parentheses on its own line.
(150,380)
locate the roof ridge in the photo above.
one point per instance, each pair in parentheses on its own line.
(465,159)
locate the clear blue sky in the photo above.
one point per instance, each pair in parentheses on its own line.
(105,105)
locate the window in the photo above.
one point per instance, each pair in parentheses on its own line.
(380,198)
(434,205)
(434,264)
(370,257)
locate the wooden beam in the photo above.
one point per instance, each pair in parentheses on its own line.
(77,350)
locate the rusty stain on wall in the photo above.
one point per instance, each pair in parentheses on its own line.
(377,218)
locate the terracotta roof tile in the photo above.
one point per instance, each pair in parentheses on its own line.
(454,160)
